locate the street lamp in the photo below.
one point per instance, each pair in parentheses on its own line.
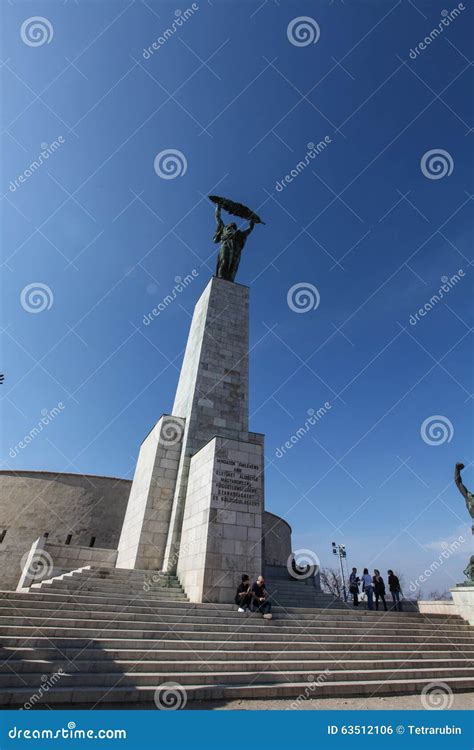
(340,551)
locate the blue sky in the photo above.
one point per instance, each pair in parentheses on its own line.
(364,223)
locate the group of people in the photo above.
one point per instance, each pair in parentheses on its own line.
(374,586)
(253,597)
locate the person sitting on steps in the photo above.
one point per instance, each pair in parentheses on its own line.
(244,595)
(261,598)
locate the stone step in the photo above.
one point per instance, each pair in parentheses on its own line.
(167,615)
(53,597)
(27,608)
(192,632)
(295,664)
(77,580)
(17,656)
(118,694)
(188,677)
(175,641)
(128,573)
(131,621)
(108,588)
(20,602)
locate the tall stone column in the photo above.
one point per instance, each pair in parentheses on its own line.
(146,523)
(212,393)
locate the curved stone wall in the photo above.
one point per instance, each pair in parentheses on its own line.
(276,540)
(34,503)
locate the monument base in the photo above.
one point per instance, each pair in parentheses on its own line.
(222,525)
(463,598)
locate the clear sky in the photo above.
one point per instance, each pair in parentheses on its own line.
(374,222)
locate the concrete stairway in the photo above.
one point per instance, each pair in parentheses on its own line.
(116,642)
(109,581)
(300,593)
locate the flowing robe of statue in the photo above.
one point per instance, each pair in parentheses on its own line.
(232,243)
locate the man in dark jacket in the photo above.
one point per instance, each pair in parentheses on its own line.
(395,589)
(243,595)
(379,589)
(354,581)
(261,598)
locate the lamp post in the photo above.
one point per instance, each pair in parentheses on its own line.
(340,551)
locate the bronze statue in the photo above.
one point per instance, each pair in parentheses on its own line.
(232,239)
(469,498)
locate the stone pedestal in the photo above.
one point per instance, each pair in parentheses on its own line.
(463,598)
(212,393)
(221,534)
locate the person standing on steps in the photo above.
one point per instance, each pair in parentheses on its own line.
(368,588)
(243,595)
(354,581)
(395,590)
(261,598)
(379,589)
